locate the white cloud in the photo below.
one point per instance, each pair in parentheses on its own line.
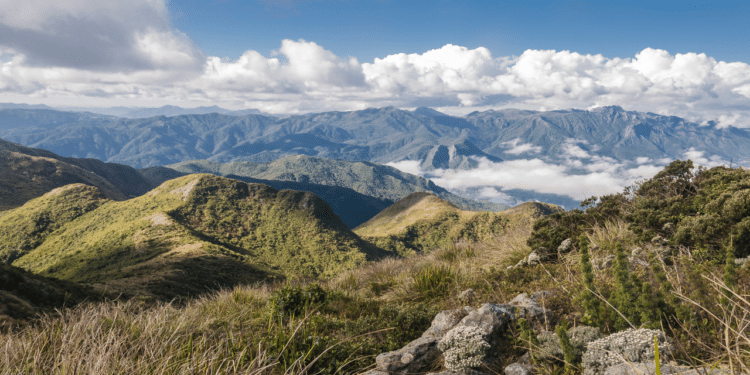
(88,51)
(518,148)
(604,176)
(699,158)
(96,35)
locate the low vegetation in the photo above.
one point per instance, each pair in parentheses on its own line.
(663,254)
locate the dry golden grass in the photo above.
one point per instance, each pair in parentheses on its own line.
(126,338)
(611,233)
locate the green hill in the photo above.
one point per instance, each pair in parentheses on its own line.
(381,182)
(188,235)
(28,173)
(422,222)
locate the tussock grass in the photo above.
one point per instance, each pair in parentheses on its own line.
(607,236)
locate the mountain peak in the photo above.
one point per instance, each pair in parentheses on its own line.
(427,111)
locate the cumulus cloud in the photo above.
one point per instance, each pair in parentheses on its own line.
(518,148)
(84,50)
(96,35)
(498,180)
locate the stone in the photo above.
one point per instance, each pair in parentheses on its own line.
(632,345)
(491,318)
(533,259)
(529,309)
(640,369)
(416,356)
(565,247)
(517,369)
(467,296)
(444,321)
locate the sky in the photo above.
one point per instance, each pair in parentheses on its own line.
(688,59)
(300,56)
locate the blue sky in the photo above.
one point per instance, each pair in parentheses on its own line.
(285,56)
(375,28)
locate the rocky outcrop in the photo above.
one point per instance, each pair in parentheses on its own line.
(631,345)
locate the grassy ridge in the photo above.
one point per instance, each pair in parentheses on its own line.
(189,235)
(422,222)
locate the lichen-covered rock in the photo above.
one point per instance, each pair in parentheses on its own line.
(415,357)
(529,309)
(549,343)
(631,345)
(517,369)
(463,347)
(467,296)
(565,247)
(444,321)
(491,318)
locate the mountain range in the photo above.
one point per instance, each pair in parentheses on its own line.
(379,135)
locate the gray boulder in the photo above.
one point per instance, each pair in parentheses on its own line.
(629,346)
(650,369)
(528,308)
(422,353)
(549,343)
(416,356)
(565,247)
(517,369)
(491,318)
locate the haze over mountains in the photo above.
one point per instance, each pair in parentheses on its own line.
(603,148)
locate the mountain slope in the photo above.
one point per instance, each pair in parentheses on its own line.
(29,173)
(378,181)
(380,135)
(422,222)
(193,234)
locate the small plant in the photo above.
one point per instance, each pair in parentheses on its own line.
(589,300)
(528,339)
(463,347)
(567,349)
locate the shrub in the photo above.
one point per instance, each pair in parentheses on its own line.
(293,300)
(434,282)
(463,347)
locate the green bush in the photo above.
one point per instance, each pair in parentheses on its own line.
(293,300)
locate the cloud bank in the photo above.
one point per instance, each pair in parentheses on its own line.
(575,176)
(102,53)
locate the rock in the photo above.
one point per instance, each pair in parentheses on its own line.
(538,296)
(416,356)
(444,321)
(530,310)
(491,318)
(467,296)
(604,263)
(517,369)
(741,261)
(565,247)
(640,369)
(580,336)
(533,259)
(420,354)
(463,348)
(632,345)
(374,372)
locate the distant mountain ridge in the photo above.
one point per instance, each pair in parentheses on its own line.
(381,135)
(383,184)
(167,110)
